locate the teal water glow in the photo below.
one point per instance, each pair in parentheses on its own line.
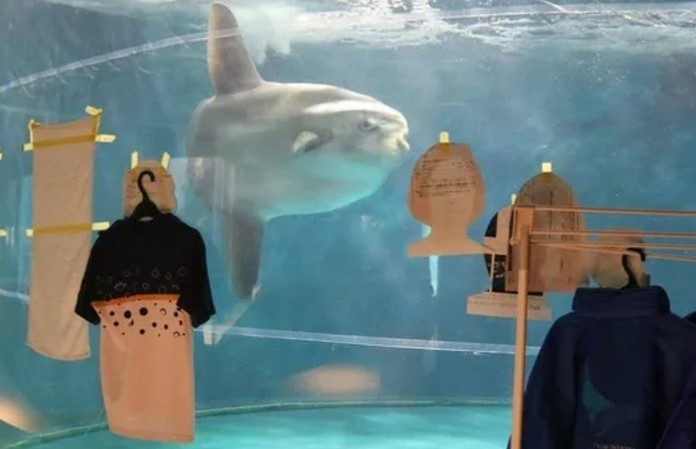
(365,428)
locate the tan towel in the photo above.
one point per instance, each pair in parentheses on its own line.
(147,368)
(62,188)
(161,191)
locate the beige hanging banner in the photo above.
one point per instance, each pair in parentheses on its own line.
(63,164)
(161,191)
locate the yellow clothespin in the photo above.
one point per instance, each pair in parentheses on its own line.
(513,198)
(101,138)
(32,124)
(134,159)
(546,167)
(3,233)
(444,138)
(165,160)
(94,112)
(105,138)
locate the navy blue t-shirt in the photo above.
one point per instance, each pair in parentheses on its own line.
(610,373)
(160,256)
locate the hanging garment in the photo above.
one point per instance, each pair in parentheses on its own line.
(681,430)
(63,163)
(610,373)
(146,284)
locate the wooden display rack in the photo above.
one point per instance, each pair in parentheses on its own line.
(523,270)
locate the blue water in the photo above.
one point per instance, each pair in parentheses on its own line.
(607,95)
(368,428)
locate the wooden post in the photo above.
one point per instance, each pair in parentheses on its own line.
(524,219)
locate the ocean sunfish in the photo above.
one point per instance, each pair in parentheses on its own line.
(259,150)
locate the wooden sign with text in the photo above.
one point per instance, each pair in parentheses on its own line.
(447,194)
(551,269)
(504,305)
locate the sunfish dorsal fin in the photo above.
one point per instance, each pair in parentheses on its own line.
(229,65)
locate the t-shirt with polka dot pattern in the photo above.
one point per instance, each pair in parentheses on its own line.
(146,284)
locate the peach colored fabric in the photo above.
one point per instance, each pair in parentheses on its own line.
(62,190)
(161,191)
(147,368)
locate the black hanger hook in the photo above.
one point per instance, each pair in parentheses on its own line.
(146,208)
(632,281)
(143,192)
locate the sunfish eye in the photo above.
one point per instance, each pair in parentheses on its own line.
(368,124)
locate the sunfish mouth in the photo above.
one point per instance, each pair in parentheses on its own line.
(402,142)
(397,142)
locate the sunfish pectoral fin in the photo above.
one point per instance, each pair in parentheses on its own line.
(244,238)
(305,141)
(229,65)
(310,140)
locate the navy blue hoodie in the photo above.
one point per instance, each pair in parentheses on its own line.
(681,430)
(610,373)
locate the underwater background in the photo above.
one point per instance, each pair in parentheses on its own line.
(604,91)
